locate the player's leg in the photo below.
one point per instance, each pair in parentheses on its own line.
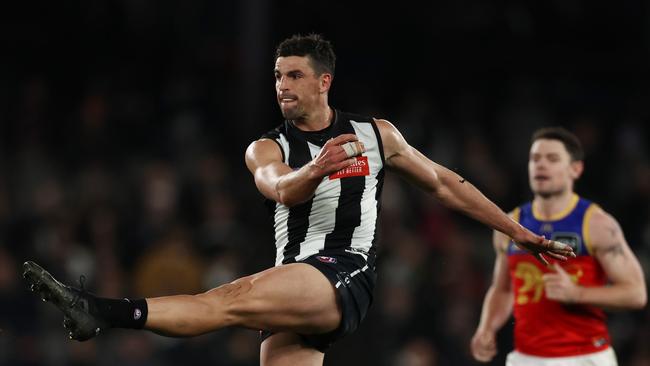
(287,349)
(295,297)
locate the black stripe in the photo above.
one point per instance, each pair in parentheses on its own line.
(275,136)
(380,184)
(380,145)
(380,187)
(348,212)
(298,221)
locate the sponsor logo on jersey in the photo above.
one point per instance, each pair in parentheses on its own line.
(326,259)
(570,239)
(360,168)
(599,342)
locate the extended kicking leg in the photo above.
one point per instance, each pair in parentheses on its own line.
(295,298)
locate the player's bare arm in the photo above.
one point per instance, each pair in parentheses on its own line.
(278,182)
(457,193)
(627,288)
(497,305)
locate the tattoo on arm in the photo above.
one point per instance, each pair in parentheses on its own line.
(461,179)
(614,250)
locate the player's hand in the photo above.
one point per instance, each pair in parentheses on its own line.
(337,153)
(483,346)
(558,286)
(539,246)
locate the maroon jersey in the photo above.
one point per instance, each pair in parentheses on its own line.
(545,327)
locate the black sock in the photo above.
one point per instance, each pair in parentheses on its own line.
(123,313)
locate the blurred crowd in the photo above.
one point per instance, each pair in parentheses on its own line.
(123,128)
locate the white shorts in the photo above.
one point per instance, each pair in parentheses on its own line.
(605,357)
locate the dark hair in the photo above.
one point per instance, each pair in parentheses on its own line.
(318,49)
(570,141)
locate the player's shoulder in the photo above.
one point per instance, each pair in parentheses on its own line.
(600,221)
(383,123)
(263,147)
(266,147)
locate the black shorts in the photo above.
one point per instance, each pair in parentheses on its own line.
(354,279)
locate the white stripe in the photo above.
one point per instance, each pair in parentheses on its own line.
(322,217)
(281,218)
(364,233)
(338,284)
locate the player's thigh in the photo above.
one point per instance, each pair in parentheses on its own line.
(295,297)
(286,349)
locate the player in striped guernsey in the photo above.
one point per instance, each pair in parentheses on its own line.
(342,213)
(322,172)
(558,309)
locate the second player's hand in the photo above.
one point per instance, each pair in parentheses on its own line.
(337,153)
(483,346)
(558,286)
(539,246)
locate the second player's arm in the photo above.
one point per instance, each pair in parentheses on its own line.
(497,305)
(627,289)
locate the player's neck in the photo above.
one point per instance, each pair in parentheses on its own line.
(551,206)
(316,121)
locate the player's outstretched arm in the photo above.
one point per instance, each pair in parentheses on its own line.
(497,305)
(278,182)
(626,290)
(457,193)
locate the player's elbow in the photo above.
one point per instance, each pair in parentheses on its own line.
(641,300)
(637,298)
(286,201)
(289,200)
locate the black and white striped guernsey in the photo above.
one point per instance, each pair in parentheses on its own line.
(342,214)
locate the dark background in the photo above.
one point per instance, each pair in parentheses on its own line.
(123,126)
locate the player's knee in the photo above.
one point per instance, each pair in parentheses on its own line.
(234,301)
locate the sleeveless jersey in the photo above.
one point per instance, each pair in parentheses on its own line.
(342,214)
(549,328)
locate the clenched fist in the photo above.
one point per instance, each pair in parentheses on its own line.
(484,346)
(337,153)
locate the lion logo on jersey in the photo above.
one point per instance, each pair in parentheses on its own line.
(571,239)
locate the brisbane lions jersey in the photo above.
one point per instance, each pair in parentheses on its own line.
(548,328)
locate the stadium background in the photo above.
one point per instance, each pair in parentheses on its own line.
(123,126)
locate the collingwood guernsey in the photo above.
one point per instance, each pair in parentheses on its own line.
(342,214)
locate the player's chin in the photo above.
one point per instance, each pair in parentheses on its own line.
(290,113)
(541,189)
(483,358)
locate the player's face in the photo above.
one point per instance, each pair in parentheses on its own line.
(550,169)
(297,86)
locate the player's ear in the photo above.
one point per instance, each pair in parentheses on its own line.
(577,167)
(325,82)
